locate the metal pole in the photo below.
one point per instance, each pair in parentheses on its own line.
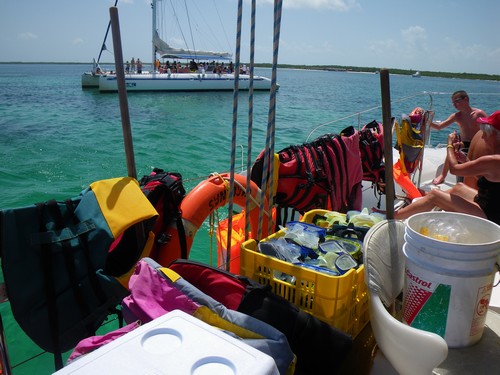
(122,92)
(153,59)
(387,123)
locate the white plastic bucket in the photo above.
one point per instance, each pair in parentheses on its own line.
(448,284)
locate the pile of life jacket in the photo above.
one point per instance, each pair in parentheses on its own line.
(244,308)
(327,173)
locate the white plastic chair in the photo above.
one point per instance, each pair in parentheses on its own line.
(410,351)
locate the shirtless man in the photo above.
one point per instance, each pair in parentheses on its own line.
(465,117)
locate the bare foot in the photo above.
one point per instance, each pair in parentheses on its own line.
(439,179)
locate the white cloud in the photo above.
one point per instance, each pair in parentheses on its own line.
(77,41)
(337,5)
(383,46)
(474,53)
(27,36)
(416,37)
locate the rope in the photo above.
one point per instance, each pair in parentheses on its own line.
(269,151)
(190,28)
(179,25)
(211,231)
(224,181)
(227,185)
(234,128)
(222,25)
(250,119)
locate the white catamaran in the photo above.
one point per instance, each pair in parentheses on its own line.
(167,79)
(90,79)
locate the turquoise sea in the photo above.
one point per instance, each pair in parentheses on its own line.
(56,138)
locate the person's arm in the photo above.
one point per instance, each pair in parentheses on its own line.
(487,165)
(476,113)
(443,124)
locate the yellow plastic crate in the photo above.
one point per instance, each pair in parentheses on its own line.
(340,301)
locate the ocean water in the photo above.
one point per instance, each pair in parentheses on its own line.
(55,138)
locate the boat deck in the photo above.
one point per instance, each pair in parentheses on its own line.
(481,358)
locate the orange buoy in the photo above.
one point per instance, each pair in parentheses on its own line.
(208,196)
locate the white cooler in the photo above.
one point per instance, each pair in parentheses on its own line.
(175,344)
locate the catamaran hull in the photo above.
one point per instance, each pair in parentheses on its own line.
(182,82)
(90,79)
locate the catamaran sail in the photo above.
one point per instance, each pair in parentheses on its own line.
(165,51)
(166,80)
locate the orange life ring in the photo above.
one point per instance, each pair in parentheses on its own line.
(205,198)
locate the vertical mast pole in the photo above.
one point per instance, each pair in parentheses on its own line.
(387,124)
(153,5)
(122,92)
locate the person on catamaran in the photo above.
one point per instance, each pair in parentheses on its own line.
(465,117)
(482,202)
(132,65)
(479,146)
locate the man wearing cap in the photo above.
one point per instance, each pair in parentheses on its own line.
(465,117)
(482,202)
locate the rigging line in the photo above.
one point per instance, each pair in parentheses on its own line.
(250,118)
(274,88)
(103,46)
(190,29)
(271,122)
(222,25)
(203,29)
(234,128)
(179,24)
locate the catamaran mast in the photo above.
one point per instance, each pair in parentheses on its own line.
(153,4)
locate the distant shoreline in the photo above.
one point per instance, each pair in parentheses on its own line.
(336,68)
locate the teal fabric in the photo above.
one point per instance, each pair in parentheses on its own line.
(101,238)
(40,258)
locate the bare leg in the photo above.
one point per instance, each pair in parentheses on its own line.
(442,177)
(458,199)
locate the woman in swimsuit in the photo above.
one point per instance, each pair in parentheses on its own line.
(483,202)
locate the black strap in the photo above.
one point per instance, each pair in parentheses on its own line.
(91,270)
(303,190)
(68,254)
(182,238)
(328,144)
(50,293)
(168,195)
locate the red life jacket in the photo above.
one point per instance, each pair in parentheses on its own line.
(325,173)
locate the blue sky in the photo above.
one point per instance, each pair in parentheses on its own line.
(437,35)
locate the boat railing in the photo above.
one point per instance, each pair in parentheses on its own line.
(361,115)
(358,116)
